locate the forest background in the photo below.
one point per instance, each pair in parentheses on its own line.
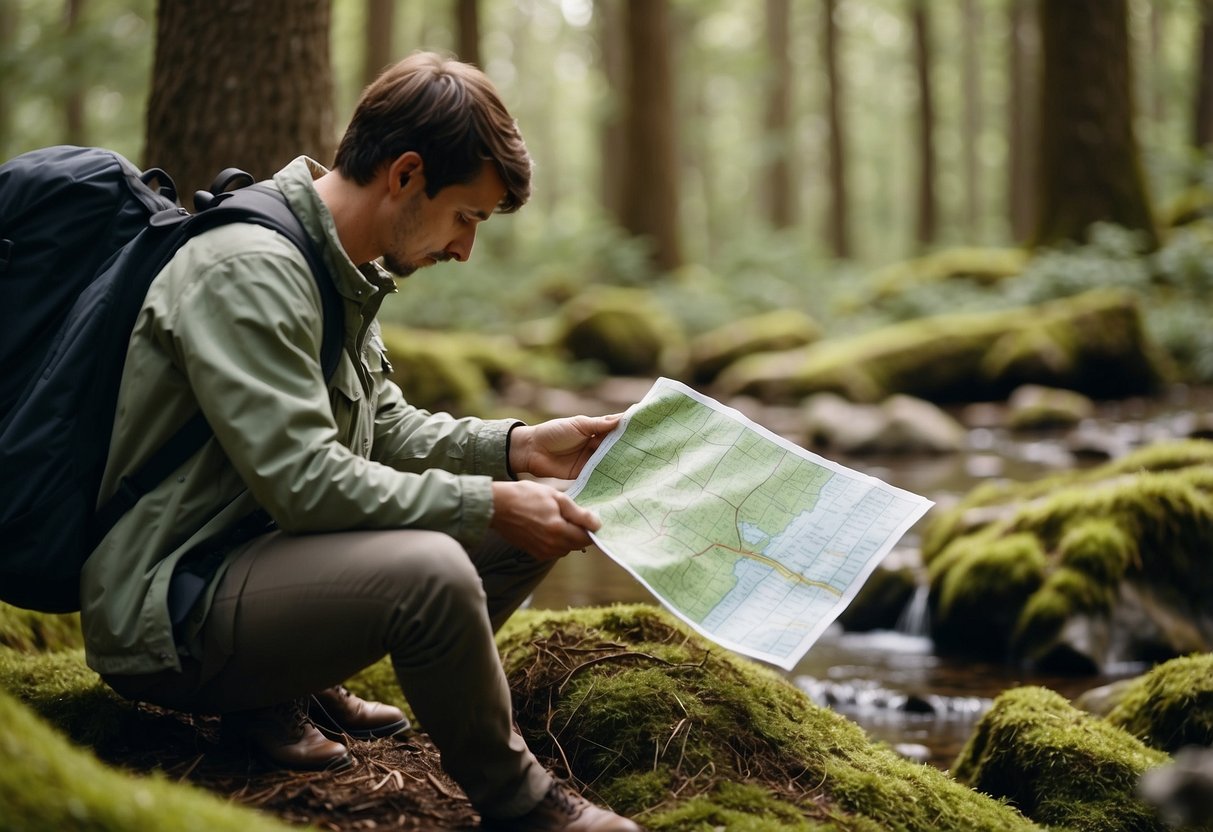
(731,156)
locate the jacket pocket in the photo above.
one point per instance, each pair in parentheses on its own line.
(348,401)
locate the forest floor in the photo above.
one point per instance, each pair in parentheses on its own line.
(394,783)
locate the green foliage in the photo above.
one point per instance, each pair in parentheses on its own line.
(29,631)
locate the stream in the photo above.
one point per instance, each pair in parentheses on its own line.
(891,683)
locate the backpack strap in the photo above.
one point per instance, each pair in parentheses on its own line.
(267,207)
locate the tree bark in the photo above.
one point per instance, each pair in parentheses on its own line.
(380,25)
(612,57)
(1090,164)
(838,227)
(650,200)
(238,83)
(1023,121)
(781,209)
(467,31)
(1202,119)
(971,80)
(926,227)
(73,99)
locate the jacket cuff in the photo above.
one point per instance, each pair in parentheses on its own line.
(476,509)
(491,448)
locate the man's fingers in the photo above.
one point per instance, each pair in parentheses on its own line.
(578,515)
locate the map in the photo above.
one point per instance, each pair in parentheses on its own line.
(755,542)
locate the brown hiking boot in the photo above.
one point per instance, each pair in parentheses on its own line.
(563,810)
(337,711)
(282,736)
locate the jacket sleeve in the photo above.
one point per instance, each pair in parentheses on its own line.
(247,331)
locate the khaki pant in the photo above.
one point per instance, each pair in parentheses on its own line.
(297,614)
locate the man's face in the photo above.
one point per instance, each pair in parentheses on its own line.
(429,231)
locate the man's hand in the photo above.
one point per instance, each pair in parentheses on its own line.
(540,520)
(560,447)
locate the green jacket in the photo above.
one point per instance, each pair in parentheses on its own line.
(233,325)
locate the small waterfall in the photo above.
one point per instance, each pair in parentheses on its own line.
(915,619)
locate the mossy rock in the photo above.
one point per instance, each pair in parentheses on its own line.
(1092,343)
(434,371)
(1060,766)
(781,329)
(625,331)
(49,785)
(1171,706)
(1033,407)
(1081,569)
(685,736)
(983,266)
(881,600)
(29,631)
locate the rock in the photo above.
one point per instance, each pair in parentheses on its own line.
(880,601)
(1093,343)
(1182,791)
(1082,570)
(623,330)
(1033,407)
(1100,701)
(781,329)
(1171,706)
(900,425)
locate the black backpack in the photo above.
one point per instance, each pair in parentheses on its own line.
(82,234)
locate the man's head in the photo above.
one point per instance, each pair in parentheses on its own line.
(449,115)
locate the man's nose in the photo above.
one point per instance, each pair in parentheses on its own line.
(461,247)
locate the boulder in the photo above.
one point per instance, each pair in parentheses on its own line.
(1081,570)
(899,425)
(623,330)
(1063,768)
(781,329)
(1093,343)
(1033,407)
(881,600)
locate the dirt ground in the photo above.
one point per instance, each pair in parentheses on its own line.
(395,783)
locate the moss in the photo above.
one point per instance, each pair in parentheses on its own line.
(60,688)
(433,373)
(34,631)
(981,596)
(1171,706)
(59,788)
(1093,343)
(984,266)
(1060,766)
(1145,519)
(781,329)
(627,698)
(624,330)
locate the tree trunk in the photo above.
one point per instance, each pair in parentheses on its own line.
(73,99)
(971,78)
(780,207)
(467,31)
(241,84)
(927,224)
(8,34)
(1023,118)
(613,63)
(380,24)
(650,200)
(1202,121)
(1090,165)
(838,229)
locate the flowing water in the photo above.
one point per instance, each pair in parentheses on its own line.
(892,683)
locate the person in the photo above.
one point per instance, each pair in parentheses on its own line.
(327,524)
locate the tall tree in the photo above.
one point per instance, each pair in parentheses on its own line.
(926,227)
(1022,116)
(205,115)
(380,24)
(73,99)
(650,199)
(838,227)
(1202,118)
(781,209)
(971,82)
(612,59)
(467,31)
(1090,163)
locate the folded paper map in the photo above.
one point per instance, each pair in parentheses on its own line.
(755,542)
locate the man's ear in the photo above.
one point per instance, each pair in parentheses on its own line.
(405,171)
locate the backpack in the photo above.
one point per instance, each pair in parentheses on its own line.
(82,234)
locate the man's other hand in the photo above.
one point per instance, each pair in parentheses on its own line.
(540,520)
(559,447)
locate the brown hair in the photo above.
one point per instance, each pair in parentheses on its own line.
(447,112)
